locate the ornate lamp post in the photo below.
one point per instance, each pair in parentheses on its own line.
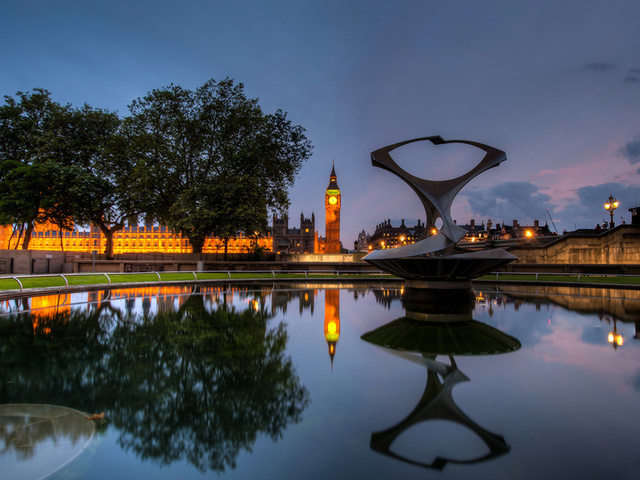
(611,205)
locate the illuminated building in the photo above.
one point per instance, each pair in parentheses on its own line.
(516,230)
(294,240)
(388,236)
(332,203)
(306,239)
(161,239)
(131,239)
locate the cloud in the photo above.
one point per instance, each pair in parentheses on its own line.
(632,79)
(588,210)
(634,70)
(600,67)
(509,201)
(631,150)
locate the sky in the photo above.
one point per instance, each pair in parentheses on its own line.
(553,83)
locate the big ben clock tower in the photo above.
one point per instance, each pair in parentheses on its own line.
(332,214)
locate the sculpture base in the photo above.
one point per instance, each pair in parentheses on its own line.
(458,266)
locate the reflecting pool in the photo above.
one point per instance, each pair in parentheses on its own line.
(314,381)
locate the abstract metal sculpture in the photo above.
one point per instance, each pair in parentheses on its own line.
(436,257)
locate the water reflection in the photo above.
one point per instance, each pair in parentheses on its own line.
(27,433)
(197,380)
(438,326)
(207,378)
(609,305)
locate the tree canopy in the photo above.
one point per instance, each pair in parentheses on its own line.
(215,162)
(203,162)
(29,169)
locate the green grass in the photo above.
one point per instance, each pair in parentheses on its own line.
(151,277)
(586,278)
(35,281)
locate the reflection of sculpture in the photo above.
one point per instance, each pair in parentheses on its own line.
(420,341)
(435,257)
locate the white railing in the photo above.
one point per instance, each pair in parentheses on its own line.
(111,278)
(578,277)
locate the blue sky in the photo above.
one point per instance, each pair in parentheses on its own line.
(553,83)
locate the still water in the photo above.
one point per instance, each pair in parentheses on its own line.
(311,381)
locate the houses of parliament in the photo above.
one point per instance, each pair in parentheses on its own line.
(161,239)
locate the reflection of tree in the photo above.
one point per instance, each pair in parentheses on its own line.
(196,384)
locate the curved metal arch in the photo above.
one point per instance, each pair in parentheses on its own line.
(437,196)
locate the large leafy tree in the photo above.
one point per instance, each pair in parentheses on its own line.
(216,164)
(102,191)
(31,178)
(66,166)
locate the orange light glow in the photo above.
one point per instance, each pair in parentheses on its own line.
(616,338)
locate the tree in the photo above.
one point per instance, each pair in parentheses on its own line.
(29,126)
(216,164)
(102,191)
(65,166)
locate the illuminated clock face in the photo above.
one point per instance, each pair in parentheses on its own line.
(333,200)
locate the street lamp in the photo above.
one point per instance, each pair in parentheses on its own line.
(611,205)
(615,339)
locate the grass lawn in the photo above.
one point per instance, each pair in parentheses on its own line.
(583,278)
(7,283)
(35,281)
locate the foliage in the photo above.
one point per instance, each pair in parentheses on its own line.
(31,181)
(198,384)
(202,162)
(215,162)
(103,189)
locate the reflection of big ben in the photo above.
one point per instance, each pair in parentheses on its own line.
(332,320)
(332,214)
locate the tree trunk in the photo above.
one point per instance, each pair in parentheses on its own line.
(197,244)
(19,236)
(226,248)
(13,232)
(108,235)
(108,248)
(27,236)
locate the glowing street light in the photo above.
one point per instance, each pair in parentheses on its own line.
(611,205)
(615,338)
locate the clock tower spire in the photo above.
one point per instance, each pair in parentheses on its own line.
(332,203)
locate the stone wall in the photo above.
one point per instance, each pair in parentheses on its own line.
(20,262)
(618,246)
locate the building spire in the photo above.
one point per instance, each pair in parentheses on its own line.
(333,178)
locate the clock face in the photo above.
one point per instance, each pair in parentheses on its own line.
(333,200)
